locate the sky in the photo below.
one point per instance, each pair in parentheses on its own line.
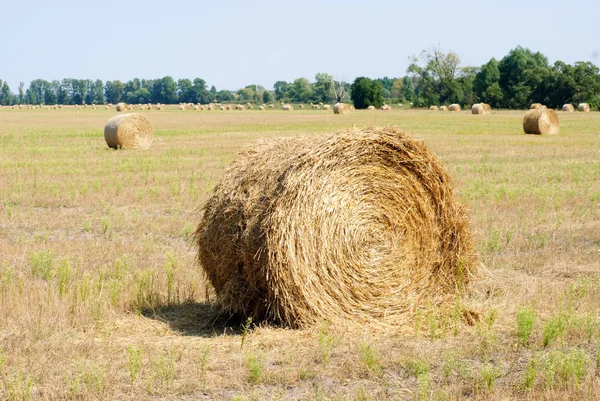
(231,44)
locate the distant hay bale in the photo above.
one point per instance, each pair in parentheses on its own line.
(261,107)
(159,106)
(210,107)
(106,107)
(326,107)
(357,225)
(249,105)
(371,108)
(536,106)
(300,106)
(222,108)
(197,108)
(487,107)
(228,107)
(481,108)
(583,107)
(181,107)
(454,107)
(386,107)
(271,106)
(443,108)
(434,108)
(541,121)
(129,131)
(568,107)
(288,107)
(341,108)
(239,107)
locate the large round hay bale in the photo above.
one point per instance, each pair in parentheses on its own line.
(535,106)
(130,131)
(487,107)
(360,225)
(271,106)
(583,107)
(541,121)
(326,107)
(568,107)
(371,107)
(261,107)
(434,108)
(443,108)
(287,107)
(478,108)
(386,107)
(454,107)
(121,107)
(341,108)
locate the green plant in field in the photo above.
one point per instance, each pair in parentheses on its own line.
(370,358)
(245,331)
(449,364)
(560,368)
(417,367)
(554,328)
(203,359)
(105,224)
(63,276)
(2,360)
(171,268)
(6,279)
(163,370)
(326,344)
(486,333)
(423,386)
(18,386)
(42,264)
(256,365)
(488,375)
(433,326)
(87,377)
(134,359)
(530,374)
(525,323)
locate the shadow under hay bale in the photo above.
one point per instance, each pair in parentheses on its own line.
(129,131)
(541,121)
(359,225)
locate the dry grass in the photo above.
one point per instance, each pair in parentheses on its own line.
(101,297)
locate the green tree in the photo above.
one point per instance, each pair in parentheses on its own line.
(281,89)
(397,90)
(268,96)
(366,92)
(323,88)
(5,94)
(521,70)
(113,91)
(164,91)
(224,96)
(301,90)
(487,84)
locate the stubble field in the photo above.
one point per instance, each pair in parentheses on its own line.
(101,296)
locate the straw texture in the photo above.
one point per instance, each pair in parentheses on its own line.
(130,131)
(359,224)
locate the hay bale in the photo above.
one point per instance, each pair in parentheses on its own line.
(250,106)
(541,121)
(487,107)
(583,107)
(454,107)
(536,106)
(130,131)
(261,107)
(568,107)
(239,107)
(478,108)
(287,107)
(371,108)
(341,108)
(443,108)
(386,107)
(300,106)
(359,225)
(326,107)
(434,108)
(271,106)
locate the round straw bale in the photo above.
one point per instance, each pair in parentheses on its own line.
(541,122)
(385,107)
(130,131)
(434,108)
(443,108)
(300,106)
(478,108)
(359,224)
(287,107)
(568,107)
(249,105)
(210,107)
(271,106)
(454,107)
(371,108)
(261,107)
(535,106)
(239,107)
(326,107)
(487,107)
(583,107)
(341,108)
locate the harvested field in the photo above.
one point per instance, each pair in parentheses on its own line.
(101,296)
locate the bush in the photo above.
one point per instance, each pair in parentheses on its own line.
(366,92)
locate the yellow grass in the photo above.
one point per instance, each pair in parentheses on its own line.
(100,296)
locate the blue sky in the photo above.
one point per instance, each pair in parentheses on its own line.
(231,44)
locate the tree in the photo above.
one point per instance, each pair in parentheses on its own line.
(268,96)
(113,91)
(340,90)
(5,94)
(487,84)
(301,90)
(164,90)
(323,88)
(224,96)
(397,90)
(521,70)
(21,97)
(366,92)
(281,89)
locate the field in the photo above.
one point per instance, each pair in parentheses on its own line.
(101,296)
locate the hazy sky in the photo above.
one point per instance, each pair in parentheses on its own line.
(231,43)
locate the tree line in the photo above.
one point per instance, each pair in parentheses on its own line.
(435,77)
